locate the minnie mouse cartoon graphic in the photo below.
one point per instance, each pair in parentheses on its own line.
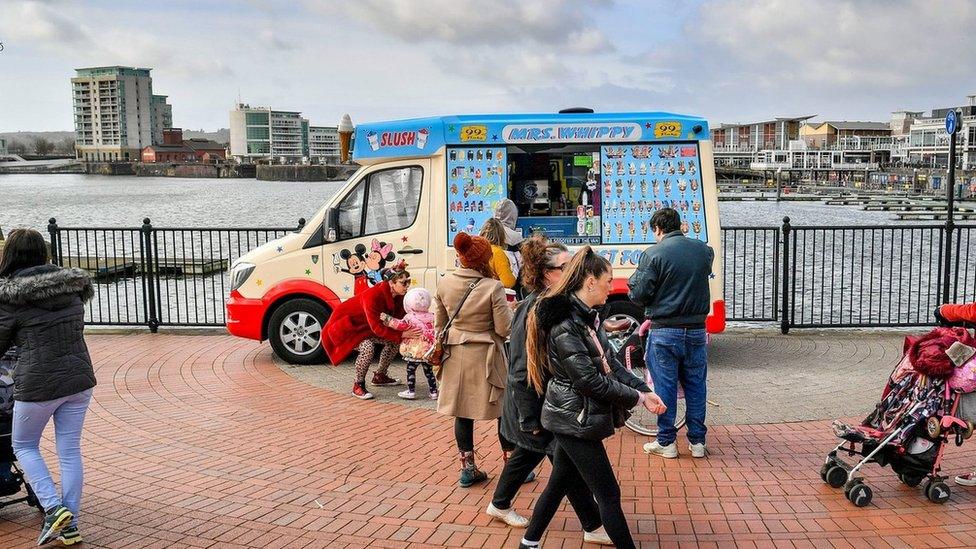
(366,264)
(376,259)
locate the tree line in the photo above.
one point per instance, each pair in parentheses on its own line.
(41,146)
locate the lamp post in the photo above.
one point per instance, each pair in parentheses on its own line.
(779,183)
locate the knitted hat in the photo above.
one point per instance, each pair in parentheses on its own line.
(473,251)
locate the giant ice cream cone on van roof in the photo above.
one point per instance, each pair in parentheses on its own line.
(345,137)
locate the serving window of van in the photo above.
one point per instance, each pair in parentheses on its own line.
(578,193)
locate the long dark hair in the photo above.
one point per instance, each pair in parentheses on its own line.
(23,248)
(585,263)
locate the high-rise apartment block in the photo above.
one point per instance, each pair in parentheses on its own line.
(116,113)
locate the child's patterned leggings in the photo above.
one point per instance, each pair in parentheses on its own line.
(366,351)
(412,376)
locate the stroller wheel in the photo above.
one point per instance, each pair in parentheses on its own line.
(910,480)
(969,430)
(823,470)
(937,492)
(933,427)
(860,495)
(836,476)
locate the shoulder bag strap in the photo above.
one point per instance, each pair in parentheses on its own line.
(459,305)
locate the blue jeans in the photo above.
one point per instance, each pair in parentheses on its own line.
(679,355)
(30,418)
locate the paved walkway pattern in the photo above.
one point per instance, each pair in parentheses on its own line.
(202,441)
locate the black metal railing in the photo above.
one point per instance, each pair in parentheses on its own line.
(800,277)
(157,276)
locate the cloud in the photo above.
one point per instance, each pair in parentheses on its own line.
(272,41)
(464,23)
(52,27)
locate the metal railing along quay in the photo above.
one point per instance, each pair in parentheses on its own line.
(796,276)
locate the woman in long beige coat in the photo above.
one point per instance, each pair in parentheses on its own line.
(472,378)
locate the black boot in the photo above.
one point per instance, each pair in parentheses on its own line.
(470,474)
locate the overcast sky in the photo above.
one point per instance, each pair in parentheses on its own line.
(378,59)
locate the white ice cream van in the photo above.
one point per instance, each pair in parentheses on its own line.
(578,177)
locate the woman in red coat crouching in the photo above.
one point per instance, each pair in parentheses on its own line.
(356,324)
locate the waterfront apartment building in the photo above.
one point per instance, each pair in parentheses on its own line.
(116,114)
(737,144)
(162,117)
(3,146)
(281,137)
(927,144)
(262,133)
(323,144)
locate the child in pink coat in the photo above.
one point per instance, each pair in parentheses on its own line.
(417,306)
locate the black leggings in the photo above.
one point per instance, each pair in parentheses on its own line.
(464,435)
(520,464)
(578,460)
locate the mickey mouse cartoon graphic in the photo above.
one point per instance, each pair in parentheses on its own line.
(356,266)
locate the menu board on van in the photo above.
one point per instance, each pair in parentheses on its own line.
(639,180)
(476,181)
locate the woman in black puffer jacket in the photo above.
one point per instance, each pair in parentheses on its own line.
(587,393)
(42,312)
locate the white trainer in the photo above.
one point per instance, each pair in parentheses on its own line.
(698,450)
(670,451)
(407,394)
(598,536)
(508,516)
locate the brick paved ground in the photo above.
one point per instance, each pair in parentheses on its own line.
(839,373)
(200,441)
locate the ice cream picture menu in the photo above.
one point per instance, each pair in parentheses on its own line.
(476,181)
(639,180)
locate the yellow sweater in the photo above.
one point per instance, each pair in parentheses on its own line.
(502,267)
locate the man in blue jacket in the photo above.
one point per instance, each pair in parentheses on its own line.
(671,283)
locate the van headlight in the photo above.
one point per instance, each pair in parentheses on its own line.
(239,274)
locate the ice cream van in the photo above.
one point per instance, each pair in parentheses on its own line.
(576,176)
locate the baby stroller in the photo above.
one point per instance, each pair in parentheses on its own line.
(908,431)
(628,346)
(13,486)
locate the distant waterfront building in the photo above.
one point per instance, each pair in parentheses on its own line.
(116,114)
(323,144)
(927,144)
(737,144)
(162,117)
(3,146)
(260,133)
(176,149)
(281,137)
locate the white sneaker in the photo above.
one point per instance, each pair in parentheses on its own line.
(598,536)
(508,516)
(969,479)
(670,451)
(698,450)
(407,395)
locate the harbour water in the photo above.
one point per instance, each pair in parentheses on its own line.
(117,201)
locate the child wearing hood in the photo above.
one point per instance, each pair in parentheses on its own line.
(417,306)
(507,212)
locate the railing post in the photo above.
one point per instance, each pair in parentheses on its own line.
(55,232)
(149,275)
(785,323)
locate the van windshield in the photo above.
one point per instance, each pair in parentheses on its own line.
(578,193)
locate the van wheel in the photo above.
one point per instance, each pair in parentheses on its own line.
(623,308)
(295,331)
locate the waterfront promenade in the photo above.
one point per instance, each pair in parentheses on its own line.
(205,441)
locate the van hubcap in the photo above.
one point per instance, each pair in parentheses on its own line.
(301,333)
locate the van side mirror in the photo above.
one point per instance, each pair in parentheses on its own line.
(331,225)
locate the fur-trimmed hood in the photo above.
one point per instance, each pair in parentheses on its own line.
(551,311)
(47,286)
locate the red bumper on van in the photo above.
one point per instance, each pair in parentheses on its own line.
(245,317)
